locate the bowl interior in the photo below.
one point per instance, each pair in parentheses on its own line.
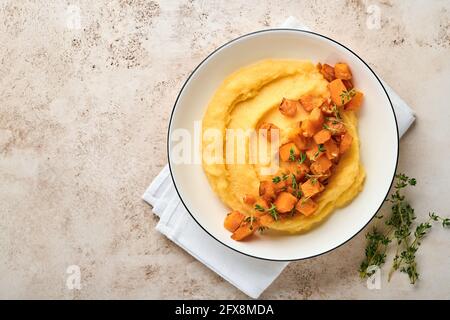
(377,130)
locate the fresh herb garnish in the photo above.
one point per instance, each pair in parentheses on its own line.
(336,112)
(399,230)
(292,212)
(259,207)
(302,157)
(347,95)
(320,149)
(273,212)
(291,154)
(284,176)
(250,220)
(294,182)
(276,179)
(261,229)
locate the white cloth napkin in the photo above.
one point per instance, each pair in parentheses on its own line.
(250,275)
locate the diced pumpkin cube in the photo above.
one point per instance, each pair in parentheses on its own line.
(327,108)
(338,92)
(280,186)
(260,203)
(313,153)
(299,170)
(309,128)
(268,128)
(331,149)
(233,220)
(306,207)
(328,72)
(342,71)
(356,102)
(289,107)
(346,143)
(249,199)
(321,165)
(335,126)
(285,202)
(316,117)
(322,136)
(267,190)
(266,220)
(287,149)
(296,136)
(348,84)
(311,187)
(245,230)
(309,102)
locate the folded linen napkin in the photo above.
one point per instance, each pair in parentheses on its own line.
(250,275)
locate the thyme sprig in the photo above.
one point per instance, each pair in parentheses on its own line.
(347,95)
(401,231)
(291,154)
(302,157)
(320,148)
(272,210)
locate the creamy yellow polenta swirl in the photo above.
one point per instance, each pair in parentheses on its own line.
(251,96)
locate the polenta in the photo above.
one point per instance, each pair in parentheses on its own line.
(313,110)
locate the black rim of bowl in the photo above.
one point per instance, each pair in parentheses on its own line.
(227,44)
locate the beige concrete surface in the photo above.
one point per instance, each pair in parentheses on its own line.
(86,88)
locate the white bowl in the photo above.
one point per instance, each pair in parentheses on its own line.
(377,129)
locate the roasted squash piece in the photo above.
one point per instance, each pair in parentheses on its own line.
(289,107)
(308,128)
(331,149)
(328,72)
(327,108)
(342,71)
(285,202)
(314,152)
(316,117)
(321,165)
(233,220)
(267,128)
(338,92)
(267,190)
(261,203)
(299,170)
(309,102)
(346,143)
(306,207)
(296,136)
(280,186)
(335,126)
(266,220)
(322,136)
(356,102)
(249,199)
(287,149)
(245,230)
(348,84)
(311,187)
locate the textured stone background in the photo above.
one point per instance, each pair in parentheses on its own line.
(84,107)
